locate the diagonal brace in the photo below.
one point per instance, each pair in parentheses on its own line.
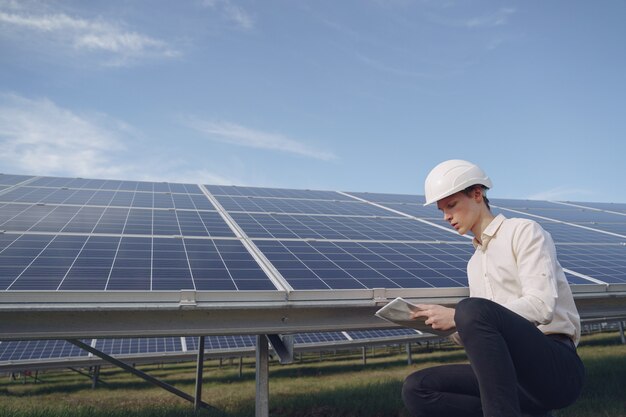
(138,373)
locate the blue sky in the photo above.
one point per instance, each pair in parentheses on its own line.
(343,95)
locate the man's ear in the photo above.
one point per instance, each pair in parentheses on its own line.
(478,194)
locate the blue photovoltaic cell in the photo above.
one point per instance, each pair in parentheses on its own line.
(282,205)
(521,204)
(74,219)
(617,207)
(220,190)
(565,233)
(99,263)
(314,338)
(606,263)
(562,232)
(13,179)
(389,198)
(139,345)
(576,215)
(115,185)
(39,349)
(166,200)
(428,212)
(284,226)
(352,265)
(618,228)
(222,342)
(381,333)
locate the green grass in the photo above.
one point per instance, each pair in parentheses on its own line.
(337,386)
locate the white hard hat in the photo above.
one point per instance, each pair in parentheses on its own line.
(452,176)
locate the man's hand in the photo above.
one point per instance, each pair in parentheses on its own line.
(438,317)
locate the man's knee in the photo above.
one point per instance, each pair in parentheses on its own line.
(470,311)
(415,393)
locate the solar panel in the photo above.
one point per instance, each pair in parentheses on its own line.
(603,262)
(521,204)
(13,179)
(615,207)
(114,185)
(136,346)
(75,219)
(39,349)
(576,215)
(417,210)
(380,333)
(282,226)
(102,263)
(358,265)
(282,205)
(222,342)
(79,197)
(317,337)
(389,198)
(220,190)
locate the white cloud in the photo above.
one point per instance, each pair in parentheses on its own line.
(561,194)
(497,18)
(231,12)
(64,32)
(239,135)
(39,137)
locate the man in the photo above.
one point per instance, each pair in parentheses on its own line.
(519,327)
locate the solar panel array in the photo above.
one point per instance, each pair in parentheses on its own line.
(66,234)
(103,236)
(31,353)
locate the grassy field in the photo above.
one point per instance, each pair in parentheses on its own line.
(338,386)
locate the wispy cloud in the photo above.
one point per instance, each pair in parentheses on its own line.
(120,46)
(37,136)
(561,194)
(497,18)
(231,12)
(239,135)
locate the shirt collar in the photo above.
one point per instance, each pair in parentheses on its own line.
(489,232)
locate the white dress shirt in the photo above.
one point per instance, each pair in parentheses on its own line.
(515,265)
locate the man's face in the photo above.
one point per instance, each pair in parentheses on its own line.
(460,210)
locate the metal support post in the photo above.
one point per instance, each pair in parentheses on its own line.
(95,376)
(621,332)
(199,369)
(262,377)
(364,354)
(240,367)
(409,354)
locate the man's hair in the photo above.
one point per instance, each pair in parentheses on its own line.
(468,191)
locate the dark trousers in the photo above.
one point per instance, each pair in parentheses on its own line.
(514,369)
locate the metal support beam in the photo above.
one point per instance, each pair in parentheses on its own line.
(283,346)
(621,332)
(364,354)
(198,399)
(137,372)
(262,377)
